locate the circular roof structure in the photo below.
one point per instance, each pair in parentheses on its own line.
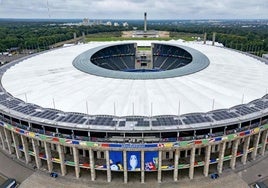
(50,80)
(198,63)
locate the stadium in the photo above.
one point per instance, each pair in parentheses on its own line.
(115,110)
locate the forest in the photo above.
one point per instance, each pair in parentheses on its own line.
(41,34)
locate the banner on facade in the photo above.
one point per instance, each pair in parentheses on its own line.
(151,160)
(133,160)
(116,160)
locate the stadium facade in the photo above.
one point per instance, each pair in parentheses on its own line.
(47,119)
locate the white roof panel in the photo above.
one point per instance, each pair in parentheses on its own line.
(51,76)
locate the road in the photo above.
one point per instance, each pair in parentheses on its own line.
(256,172)
(13,169)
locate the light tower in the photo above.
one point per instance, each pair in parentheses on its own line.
(145,21)
(213,38)
(205,38)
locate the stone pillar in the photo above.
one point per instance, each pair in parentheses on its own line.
(109,175)
(2,137)
(125,165)
(16,144)
(142,167)
(221,156)
(199,151)
(213,148)
(84,153)
(25,148)
(9,141)
(54,147)
(64,149)
(76,162)
(186,155)
(48,156)
(98,154)
(263,142)
(255,145)
(62,160)
(159,173)
(234,152)
(176,164)
(171,154)
(36,153)
(229,145)
(207,160)
(71,151)
(92,165)
(192,160)
(164,155)
(245,150)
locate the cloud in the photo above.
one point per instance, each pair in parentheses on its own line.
(133,9)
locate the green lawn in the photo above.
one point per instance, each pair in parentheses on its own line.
(116,36)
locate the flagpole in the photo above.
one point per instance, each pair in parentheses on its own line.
(87,107)
(213,104)
(133,108)
(53,103)
(151,109)
(242,101)
(87,112)
(114,110)
(179,108)
(26,99)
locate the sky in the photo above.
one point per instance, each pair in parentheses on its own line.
(134,9)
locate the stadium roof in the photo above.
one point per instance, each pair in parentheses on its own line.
(50,80)
(199,62)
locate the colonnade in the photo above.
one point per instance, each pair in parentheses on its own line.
(30,150)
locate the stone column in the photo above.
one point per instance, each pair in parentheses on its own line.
(207,160)
(71,151)
(76,162)
(48,156)
(234,152)
(221,156)
(84,153)
(245,150)
(176,164)
(16,144)
(36,153)
(54,147)
(98,154)
(159,173)
(199,151)
(109,175)
(171,154)
(213,148)
(229,145)
(255,145)
(62,160)
(9,141)
(25,148)
(92,165)
(125,165)
(192,160)
(2,138)
(142,167)
(186,155)
(263,142)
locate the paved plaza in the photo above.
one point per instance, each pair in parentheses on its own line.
(29,177)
